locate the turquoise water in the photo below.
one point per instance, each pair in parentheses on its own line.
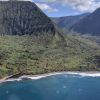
(58,87)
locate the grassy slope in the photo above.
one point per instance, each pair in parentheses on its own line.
(22,54)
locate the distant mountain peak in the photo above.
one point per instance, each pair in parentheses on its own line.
(65,22)
(89,25)
(97,10)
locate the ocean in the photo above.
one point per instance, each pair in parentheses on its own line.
(55,87)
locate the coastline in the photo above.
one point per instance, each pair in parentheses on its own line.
(40,76)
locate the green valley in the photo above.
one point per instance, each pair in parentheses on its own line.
(23,54)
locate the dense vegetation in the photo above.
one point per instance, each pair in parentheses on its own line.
(30,43)
(21,18)
(23,54)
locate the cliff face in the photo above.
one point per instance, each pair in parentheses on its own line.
(20,18)
(89,25)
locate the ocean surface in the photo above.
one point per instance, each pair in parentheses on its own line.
(56,87)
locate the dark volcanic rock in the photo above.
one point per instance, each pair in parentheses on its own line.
(20,18)
(89,25)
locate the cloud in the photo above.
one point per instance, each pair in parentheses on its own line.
(80,5)
(16,0)
(46,7)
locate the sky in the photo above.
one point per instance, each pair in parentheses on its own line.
(58,8)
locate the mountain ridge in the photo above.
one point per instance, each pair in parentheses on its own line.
(89,25)
(66,22)
(23,17)
(30,43)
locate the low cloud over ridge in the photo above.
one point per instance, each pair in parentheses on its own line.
(46,7)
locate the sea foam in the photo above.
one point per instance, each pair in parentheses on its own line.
(36,77)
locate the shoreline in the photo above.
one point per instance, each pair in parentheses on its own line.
(40,76)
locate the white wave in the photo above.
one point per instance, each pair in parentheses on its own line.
(36,77)
(85,74)
(10,80)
